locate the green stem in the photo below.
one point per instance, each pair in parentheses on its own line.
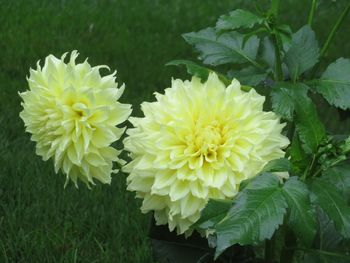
(257,65)
(269,244)
(312,12)
(274,7)
(309,168)
(317,172)
(334,30)
(332,164)
(271,26)
(291,131)
(278,61)
(287,254)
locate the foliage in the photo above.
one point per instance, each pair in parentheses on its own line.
(39,220)
(334,84)
(84,239)
(286,218)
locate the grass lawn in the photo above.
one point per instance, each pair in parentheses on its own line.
(39,220)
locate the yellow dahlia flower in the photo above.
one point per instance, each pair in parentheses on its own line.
(72,112)
(198,141)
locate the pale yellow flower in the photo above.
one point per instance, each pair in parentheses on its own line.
(198,141)
(72,112)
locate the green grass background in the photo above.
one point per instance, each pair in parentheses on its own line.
(39,220)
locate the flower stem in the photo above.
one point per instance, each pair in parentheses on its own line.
(334,30)
(317,172)
(278,61)
(312,12)
(274,7)
(290,131)
(269,250)
(290,241)
(309,168)
(274,33)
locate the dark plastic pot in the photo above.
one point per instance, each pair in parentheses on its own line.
(171,248)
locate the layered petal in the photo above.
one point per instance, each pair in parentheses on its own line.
(72,112)
(198,141)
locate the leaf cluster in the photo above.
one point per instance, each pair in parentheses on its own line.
(305,218)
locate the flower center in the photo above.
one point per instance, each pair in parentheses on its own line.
(207,140)
(80,109)
(78,105)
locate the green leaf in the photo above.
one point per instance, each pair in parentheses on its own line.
(340,177)
(278,165)
(259,181)
(268,52)
(223,49)
(213,212)
(238,19)
(197,70)
(287,98)
(327,237)
(299,158)
(248,76)
(286,31)
(192,68)
(283,95)
(296,151)
(323,256)
(308,125)
(300,217)
(303,52)
(261,31)
(257,212)
(333,204)
(334,84)
(345,147)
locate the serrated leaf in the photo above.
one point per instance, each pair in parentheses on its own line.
(298,156)
(286,30)
(192,68)
(303,52)
(258,32)
(257,212)
(268,52)
(322,256)
(328,237)
(308,125)
(345,147)
(283,95)
(296,151)
(332,203)
(238,19)
(334,85)
(285,34)
(287,98)
(340,177)
(300,217)
(197,70)
(248,76)
(278,165)
(223,49)
(214,211)
(258,182)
